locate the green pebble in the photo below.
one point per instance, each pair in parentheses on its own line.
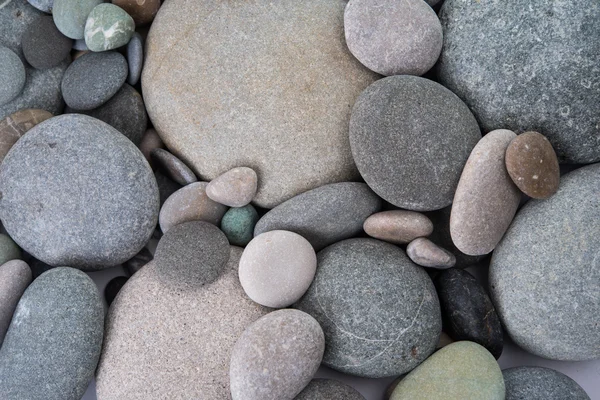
(238,224)
(8,249)
(108,27)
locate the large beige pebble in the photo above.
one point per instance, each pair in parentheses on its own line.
(398,226)
(235,188)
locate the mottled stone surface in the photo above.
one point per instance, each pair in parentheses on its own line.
(173,167)
(142,11)
(15,276)
(12,75)
(108,27)
(70,16)
(398,226)
(238,224)
(410,139)
(113,287)
(548,262)
(425,253)
(235,188)
(538,383)
(8,249)
(328,389)
(135,58)
(44,46)
(16,17)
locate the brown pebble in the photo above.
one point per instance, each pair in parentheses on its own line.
(142,11)
(398,226)
(15,125)
(150,141)
(78,53)
(425,253)
(234,188)
(173,167)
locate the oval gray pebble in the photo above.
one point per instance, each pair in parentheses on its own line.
(16,17)
(328,389)
(538,383)
(44,46)
(135,58)
(9,250)
(174,167)
(12,75)
(15,276)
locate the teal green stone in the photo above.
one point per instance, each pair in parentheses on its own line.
(8,249)
(238,224)
(108,27)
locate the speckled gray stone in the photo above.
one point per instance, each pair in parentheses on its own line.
(166,186)
(410,139)
(16,16)
(42,5)
(93,79)
(276,357)
(138,261)
(9,250)
(425,253)
(324,215)
(328,389)
(108,27)
(379,311)
(43,44)
(538,383)
(173,167)
(77,192)
(548,73)
(53,344)
(12,75)
(80,45)
(135,58)
(548,262)
(70,16)
(15,276)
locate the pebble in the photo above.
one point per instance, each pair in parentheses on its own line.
(15,276)
(379,311)
(276,356)
(43,44)
(425,253)
(142,11)
(12,75)
(486,199)
(398,226)
(17,16)
(548,263)
(324,215)
(173,167)
(393,38)
(15,125)
(234,188)
(38,267)
(113,287)
(150,141)
(461,370)
(277,268)
(93,79)
(238,224)
(532,165)
(135,58)
(42,5)
(73,176)
(467,310)
(166,186)
(70,16)
(80,45)
(9,250)
(136,263)
(108,27)
(53,343)
(538,383)
(410,139)
(328,389)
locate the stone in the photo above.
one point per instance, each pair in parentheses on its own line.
(80,45)
(199,326)
(425,253)
(324,215)
(550,82)
(486,199)
(16,17)
(113,287)
(391,387)
(433,3)
(393,38)
(283,109)
(277,267)
(93,79)
(70,16)
(135,58)
(108,27)
(461,370)
(12,75)
(173,167)
(42,5)
(276,356)
(398,226)
(54,340)
(235,188)
(15,276)
(532,165)
(44,46)
(9,250)
(142,11)
(238,224)
(166,186)
(467,311)
(38,267)
(15,125)
(548,261)
(150,141)
(538,383)
(136,263)
(410,138)
(379,311)
(73,176)
(328,389)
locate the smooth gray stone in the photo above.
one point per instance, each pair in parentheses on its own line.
(53,343)
(42,5)
(548,262)
(173,167)
(16,17)
(538,383)
(166,185)
(135,58)
(12,75)
(15,276)
(138,261)
(324,215)
(44,46)
(77,192)
(328,389)
(70,16)
(9,250)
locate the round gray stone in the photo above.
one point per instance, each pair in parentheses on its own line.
(410,138)
(528,65)
(538,383)
(42,5)
(43,44)
(16,17)
(12,75)
(549,262)
(379,311)
(328,389)
(8,249)
(135,58)
(70,16)
(77,192)
(15,276)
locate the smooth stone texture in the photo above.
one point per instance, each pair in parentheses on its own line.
(93,79)
(467,311)
(135,58)
(199,326)
(532,165)
(459,371)
(324,215)
(379,311)
(173,167)
(15,276)
(548,261)
(108,27)
(486,199)
(398,226)
(276,357)
(44,46)
(16,17)
(16,125)
(113,287)
(425,253)
(328,389)
(142,11)
(545,77)
(238,224)
(235,188)
(410,139)
(190,203)
(80,45)
(150,141)
(53,344)
(393,37)
(9,250)
(70,16)
(538,383)
(138,261)
(12,75)
(42,5)
(77,192)
(166,186)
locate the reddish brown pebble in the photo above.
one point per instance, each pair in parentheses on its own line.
(15,125)
(398,226)
(142,11)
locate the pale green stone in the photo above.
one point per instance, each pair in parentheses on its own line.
(238,224)
(108,27)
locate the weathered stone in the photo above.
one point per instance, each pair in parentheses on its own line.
(398,226)
(44,46)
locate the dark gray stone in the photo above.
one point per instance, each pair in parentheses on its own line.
(379,311)
(548,263)
(8,249)
(42,5)
(410,138)
(77,192)
(538,383)
(70,16)
(38,267)
(528,65)
(173,167)
(328,389)
(324,215)
(113,287)
(53,344)
(12,75)
(135,58)
(136,263)
(43,44)
(166,185)
(16,16)
(15,276)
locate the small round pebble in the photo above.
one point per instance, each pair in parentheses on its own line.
(142,11)
(539,383)
(328,389)
(42,5)
(174,167)
(44,46)
(398,226)
(235,188)
(113,287)
(136,263)
(238,224)
(70,16)
(150,141)
(135,58)
(425,253)
(12,75)
(8,249)
(108,27)
(16,125)
(15,276)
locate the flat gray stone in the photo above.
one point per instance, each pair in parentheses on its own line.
(44,46)
(9,250)
(538,383)
(15,276)
(12,75)
(328,389)
(135,58)
(70,16)
(42,5)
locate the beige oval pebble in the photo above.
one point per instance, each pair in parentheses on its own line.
(398,226)
(235,188)
(16,124)
(150,141)
(425,253)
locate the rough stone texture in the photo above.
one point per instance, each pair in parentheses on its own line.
(173,167)
(16,17)
(8,249)
(461,370)
(108,27)
(198,324)
(538,383)
(393,37)
(532,165)
(328,389)
(44,46)
(76,192)
(235,188)
(425,253)
(70,16)
(142,11)
(276,357)
(135,58)
(548,262)
(238,224)
(379,311)
(113,287)
(42,5)
(12,75)
(486,199)
(398,226)
(53,344)
(278,83)
(136,263)
(410,139)
(150,141)
(528,65)
(15,125)
(324,215)
(15,276)
(467,311)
